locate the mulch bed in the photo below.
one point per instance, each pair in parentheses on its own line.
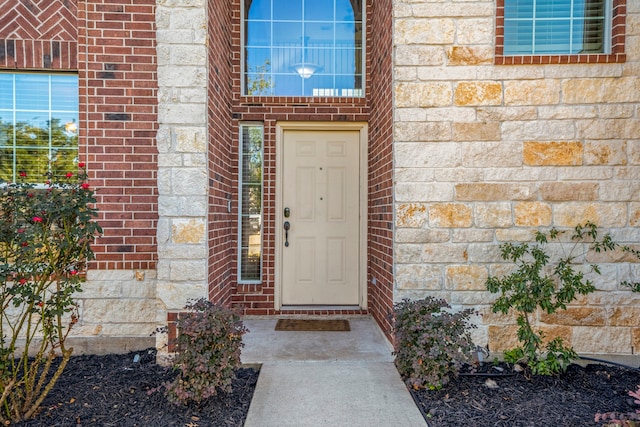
(519,400)
(114,390)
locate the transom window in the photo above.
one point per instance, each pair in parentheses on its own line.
(38,126)
(303,47)
(556,27)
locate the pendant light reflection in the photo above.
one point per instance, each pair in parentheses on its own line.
(305,70)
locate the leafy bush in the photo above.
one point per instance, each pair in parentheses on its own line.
(45,238)
(208,345)
(630,419)
(431,343)
(539,283)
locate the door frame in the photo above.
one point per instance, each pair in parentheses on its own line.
(361,127)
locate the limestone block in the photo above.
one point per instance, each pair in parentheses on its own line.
(539,130)
(469,55)
(422,132)
(620,191)
(412,235)
(607,280)
(553,153)
(169,160)
(502,114)
(491,318)
(503,337)
(476,31)
(444,252)
(451,114)
(614,111)
(478,93)
(418,276)
(181,77)
(605,153)
(414,174)
(163,140)
(558,112)
(415,294)
(484,252)
(410,115)
(514,174)
(532,92)
(594,173)
(188,182)
(476,131)
(419,55)
(441,8)
(552,332)
(459,174)
(493,215)
(634,214)
(182,113)
(128,329)
(120,310)
(624,316)
(188,270)
(163,230)
(109,275)
(407,253)
(173,36)
(164,181)
(601,340)
(424,31)
(405,74)
(175,5)
(192,95)
(101,289)
(471,298)
(514,235)
(600,90)
(532,214)
(138,289)
(604,214)
(635,340)
(188,230)
(195,160)
(466,277)
(576,316)
(174,296)
(182,55)
(480,335)
(191,139)
(423,94)
(418,192)
(490,154)
(450,215)
(607,128)
(490,191)
(411,215)
(471,235)
(183,18)
(426,154)
(564,191)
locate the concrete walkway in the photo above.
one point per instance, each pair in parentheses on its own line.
(326,378)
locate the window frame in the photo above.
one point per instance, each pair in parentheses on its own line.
(241,181)
(15,112)
(350,93)
(616,42)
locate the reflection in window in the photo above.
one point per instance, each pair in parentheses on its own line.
(38,126)
(555,27)
(250,261)
(303,47)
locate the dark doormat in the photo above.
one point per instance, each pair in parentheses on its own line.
(326,325)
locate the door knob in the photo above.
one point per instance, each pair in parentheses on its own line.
(287,226)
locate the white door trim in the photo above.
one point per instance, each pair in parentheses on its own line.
(361,127)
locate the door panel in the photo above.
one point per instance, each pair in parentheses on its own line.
(320,171)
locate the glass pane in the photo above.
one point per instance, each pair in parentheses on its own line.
(553,9)
(258,34)
(32,129)
(287,10)
(6,91)
(514,9)
(6,164)
(288,84)
(260,9)
(63,160)
(287,33)
(318,10)
(518,37)
(34,162)
(32,92)
(319,34)
(552,37)
(251,203)
(64,93)
(589,38)
(64,131)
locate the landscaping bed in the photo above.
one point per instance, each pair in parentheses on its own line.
(115,390)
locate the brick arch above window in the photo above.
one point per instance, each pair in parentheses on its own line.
(614,28)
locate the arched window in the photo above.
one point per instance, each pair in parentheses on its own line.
(303,47)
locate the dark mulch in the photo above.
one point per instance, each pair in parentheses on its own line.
(114,390)
(571,399)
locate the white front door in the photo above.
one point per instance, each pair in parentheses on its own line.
(321,209)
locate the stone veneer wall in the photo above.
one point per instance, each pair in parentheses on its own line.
(182,159)
(486,154)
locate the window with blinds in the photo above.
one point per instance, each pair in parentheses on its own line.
(38,126)
(250,206)
(556,27)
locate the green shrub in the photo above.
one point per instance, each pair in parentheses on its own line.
(431,343)
(542,283)
(45,238)
(208,352)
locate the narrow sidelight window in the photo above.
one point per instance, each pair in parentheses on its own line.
(250,206)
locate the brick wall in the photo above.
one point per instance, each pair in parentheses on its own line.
(118,116)
(222,166)
(486,154)
(380,228)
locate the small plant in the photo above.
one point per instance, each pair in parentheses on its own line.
(45,238)
(630,419)
(539,284)
(208,345)
(431,343)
